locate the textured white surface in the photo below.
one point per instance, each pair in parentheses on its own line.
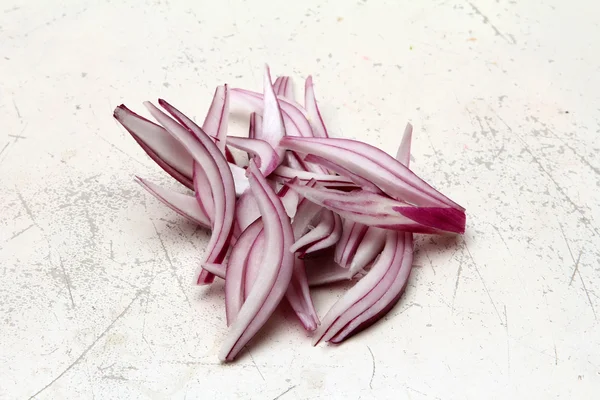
(95,293)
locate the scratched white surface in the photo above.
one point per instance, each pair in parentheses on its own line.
(95,293)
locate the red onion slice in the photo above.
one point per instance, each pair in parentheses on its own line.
(387,292)
(362,287)
(288,89)
(277,85)
(254,262)
(306,212)
(373,241)
(265,156)
(246,211)
(374,165)
(275,273)
(314,115)
(182,204)
(203,192)
(356,304)
(283,174)
(331,166)
(290,200)
(370,246)
(294,124)
(298,295)
(215,125)
(272,124)
(403,154)
(163,148)
(346,249)
(236,269)
(206,154)
(255,125)
(239,179)
(166,151)
(219,270)
(375,210)
(334,235)
(323,230)
(217,118)
(294,118)
(387,301)
(284,87)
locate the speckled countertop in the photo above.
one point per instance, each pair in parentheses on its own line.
(96,300)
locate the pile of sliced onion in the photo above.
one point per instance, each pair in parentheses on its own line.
(303,209)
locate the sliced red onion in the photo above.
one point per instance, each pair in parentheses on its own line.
(166,151)
(341,244)
(163,148)
(323,230)
(296,123)
(272,124)
(375,210)
(254,262)
(203,192)
(182,204)
(377,199)
(329,240)
(324,270)
(275,273)
(236,269)
(246,211)
(219,270)
(298,295)
(374,165)
(265,156)
(290,199)
(346,248)
(277,85)
(387,301)
(331,166)
(374,239)
(294,119)
(382,296)
(363,287)
(215,126)
(255,125)
(370,246)
(239,179)
(403,154)
(217,119)
(360,316)
(206,154)
(284,174)
(288,89)
(372,243)
(292,160)
(306,212)
(284,87)
(314,115)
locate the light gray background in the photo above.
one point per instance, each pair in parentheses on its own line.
(96,300)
